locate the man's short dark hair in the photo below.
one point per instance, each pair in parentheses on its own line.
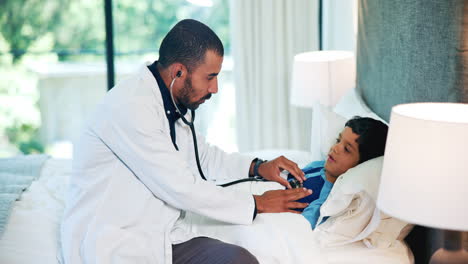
(187,43)
(372,136)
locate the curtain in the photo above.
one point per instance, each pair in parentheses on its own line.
(266,34)
(339,25)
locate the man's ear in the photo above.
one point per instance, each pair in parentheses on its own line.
(178,70)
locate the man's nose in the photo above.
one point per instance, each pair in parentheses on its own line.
(213,88)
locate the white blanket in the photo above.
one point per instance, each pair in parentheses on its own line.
(288,238)
(273,238)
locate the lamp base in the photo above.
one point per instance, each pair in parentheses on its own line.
(443,256)
(453,251)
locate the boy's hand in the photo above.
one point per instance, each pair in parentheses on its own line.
(271,170)
(278,201)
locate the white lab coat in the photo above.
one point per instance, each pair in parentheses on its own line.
(111,216)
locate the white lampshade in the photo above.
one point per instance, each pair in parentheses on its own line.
(425,170)
(322,76)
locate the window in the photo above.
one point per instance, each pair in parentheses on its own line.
(53,72)
(48,52)
(138,32)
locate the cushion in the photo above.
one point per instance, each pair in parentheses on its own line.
(350,205)
(351,104)
(388,231)
(326,125)
(346,227)
(352,212)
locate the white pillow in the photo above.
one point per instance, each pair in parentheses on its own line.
(388,231)
(352,104)
(352,211)
(350,205)
(326,125)
(346,226)
(363,177)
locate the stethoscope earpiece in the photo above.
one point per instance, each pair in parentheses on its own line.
(178,74)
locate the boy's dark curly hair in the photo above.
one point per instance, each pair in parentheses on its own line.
(372,136)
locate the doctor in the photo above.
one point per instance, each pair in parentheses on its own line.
(135,173)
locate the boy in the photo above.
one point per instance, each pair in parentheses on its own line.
(362,139)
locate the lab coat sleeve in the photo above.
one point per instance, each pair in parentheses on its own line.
(221,166)
(132,129)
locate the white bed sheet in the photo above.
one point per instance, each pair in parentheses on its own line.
(32,234)
(287,238)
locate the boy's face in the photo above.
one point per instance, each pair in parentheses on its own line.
(343,155)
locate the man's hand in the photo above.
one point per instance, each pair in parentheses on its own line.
(271,170)
(278,201)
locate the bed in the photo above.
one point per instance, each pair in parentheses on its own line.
(32,233)
(356,232)
(408,51)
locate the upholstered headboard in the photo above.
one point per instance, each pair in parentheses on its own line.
(412,51)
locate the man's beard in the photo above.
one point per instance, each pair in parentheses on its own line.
(185,93)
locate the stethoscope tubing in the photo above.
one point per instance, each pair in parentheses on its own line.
(195,144)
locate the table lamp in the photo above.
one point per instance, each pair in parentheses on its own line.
(425,172)
(322,76)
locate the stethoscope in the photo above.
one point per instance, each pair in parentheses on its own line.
(194,136)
